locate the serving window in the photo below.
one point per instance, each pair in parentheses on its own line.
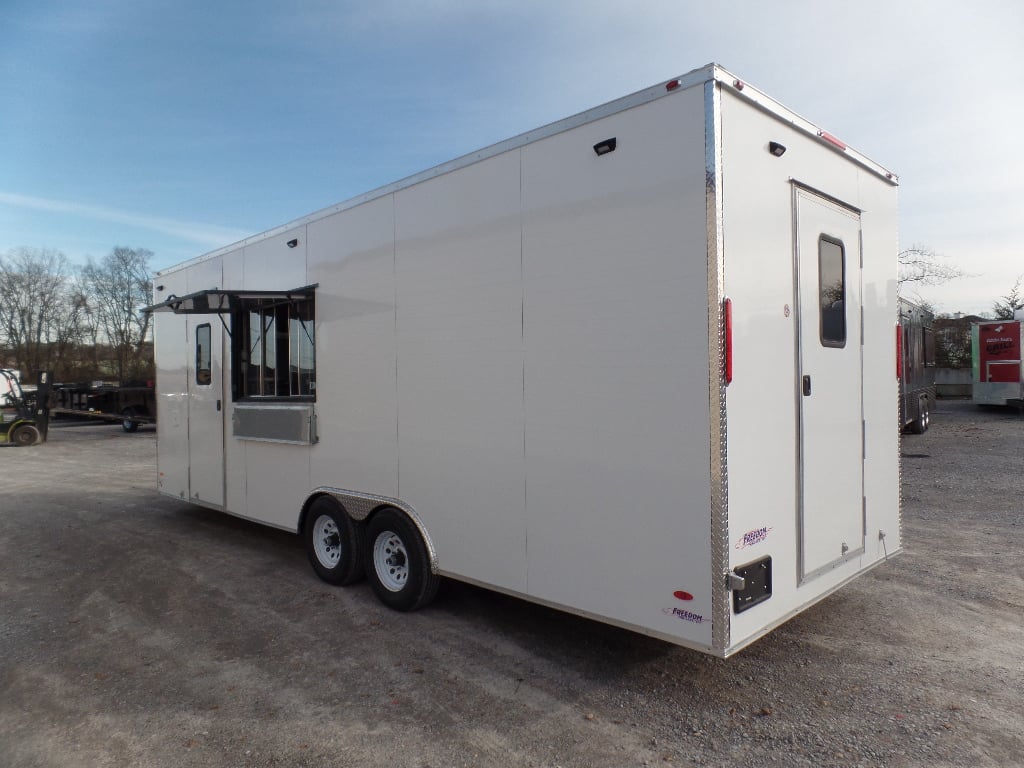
(274,349)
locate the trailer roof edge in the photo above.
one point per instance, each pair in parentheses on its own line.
(767,104)
(665,88)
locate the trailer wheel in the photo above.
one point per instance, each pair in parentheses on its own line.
(920,423)
(25,435)
(332,542)
(126,420)
(397,563)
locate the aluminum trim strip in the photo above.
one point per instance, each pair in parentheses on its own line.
(359,506)
(798,490)
(718,444)
(837,563)
(274,423)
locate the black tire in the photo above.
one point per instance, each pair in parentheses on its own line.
(918,424)
(126,420)
(924,417)
(333,542)
(396,562)
(25,435)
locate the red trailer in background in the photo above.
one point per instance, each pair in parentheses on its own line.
(998,372)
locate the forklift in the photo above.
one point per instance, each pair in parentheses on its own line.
(22,422)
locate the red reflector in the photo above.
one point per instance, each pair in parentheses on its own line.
(899,352)
(727,315)
(682,595)
(671,85)
(831,139)
(737,84)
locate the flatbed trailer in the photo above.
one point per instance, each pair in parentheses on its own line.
(129,406)
(129,423)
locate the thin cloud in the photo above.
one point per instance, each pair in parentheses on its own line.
(203,234)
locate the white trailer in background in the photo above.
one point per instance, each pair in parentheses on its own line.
(637,364)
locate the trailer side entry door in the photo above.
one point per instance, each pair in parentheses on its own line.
(205,410)
(829,383)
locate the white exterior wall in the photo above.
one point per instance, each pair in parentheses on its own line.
(352,257)
(763,399)
(460,367)
(615,262)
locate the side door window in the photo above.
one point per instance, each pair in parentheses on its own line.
(204,366)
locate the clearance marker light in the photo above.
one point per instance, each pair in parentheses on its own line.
(899,352)
(825,135)
(671,85)
(727,312)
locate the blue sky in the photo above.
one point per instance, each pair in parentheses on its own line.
(182,127)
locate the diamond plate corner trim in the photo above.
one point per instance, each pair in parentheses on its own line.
(720,609)
(359,506)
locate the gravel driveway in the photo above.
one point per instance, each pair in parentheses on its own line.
(136,630)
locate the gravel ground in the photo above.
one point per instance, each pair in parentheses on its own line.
(137,630)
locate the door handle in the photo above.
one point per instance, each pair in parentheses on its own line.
(218,405)
(807,385)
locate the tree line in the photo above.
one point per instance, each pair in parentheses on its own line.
(81,322)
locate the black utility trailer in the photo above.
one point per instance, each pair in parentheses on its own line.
(129,405)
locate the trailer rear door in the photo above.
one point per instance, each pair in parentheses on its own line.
(829,383)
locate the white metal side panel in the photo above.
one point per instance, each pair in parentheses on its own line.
(170,340)
(460,367)
(763,397)
(617,401)
(880,244)
(205,401)
(277,482)
(351,256)
(272,265)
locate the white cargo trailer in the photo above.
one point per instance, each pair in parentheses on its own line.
(638,364)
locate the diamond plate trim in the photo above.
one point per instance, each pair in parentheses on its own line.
(720,603)
(360,506)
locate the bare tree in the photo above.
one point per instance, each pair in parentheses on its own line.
(952,342)
(919,266)
(1003,310)
(117,286)
(33,293)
